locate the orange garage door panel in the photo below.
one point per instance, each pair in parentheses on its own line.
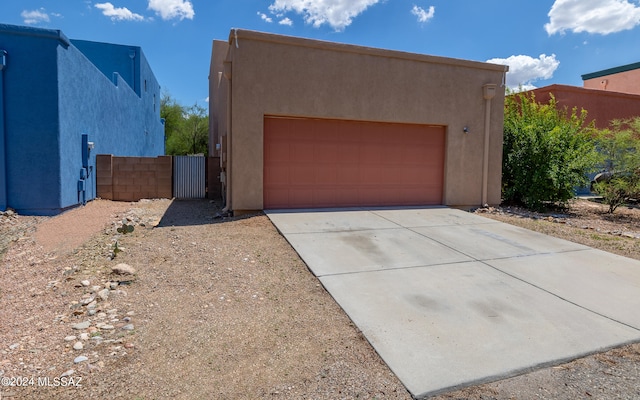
(332,163)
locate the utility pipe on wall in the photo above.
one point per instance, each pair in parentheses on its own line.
(3,152)
(132,55)
(489,92)
(228,74)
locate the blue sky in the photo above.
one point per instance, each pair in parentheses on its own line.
(543,41)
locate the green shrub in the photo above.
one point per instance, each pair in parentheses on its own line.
(547,152)
(620,147)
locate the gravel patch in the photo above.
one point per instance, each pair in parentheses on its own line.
(195,304)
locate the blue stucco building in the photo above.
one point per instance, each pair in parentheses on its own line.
(62,102)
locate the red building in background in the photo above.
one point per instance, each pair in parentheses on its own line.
(607,95)
(624,79)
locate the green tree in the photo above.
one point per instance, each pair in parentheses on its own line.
(620,147)
(196,129)
(547,152)
(172,113)
(186,128)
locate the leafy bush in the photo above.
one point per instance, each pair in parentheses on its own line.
(620,147)
(547,152)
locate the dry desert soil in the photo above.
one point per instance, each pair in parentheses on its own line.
(220,307)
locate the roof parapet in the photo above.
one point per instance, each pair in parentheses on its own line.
(55,34)
(611,71)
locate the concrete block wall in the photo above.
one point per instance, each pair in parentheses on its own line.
(104,176)
(134,178)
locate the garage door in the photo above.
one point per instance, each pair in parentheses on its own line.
(334,163)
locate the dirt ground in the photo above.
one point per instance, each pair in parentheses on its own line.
(223,308)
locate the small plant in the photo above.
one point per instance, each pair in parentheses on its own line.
(116,249)
(620,147)
(616,192)
(124,229)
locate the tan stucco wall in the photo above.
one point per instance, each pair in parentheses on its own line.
(278,75)
(218,87)
(623,82)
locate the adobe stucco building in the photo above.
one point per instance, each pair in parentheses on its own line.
(623,79)
(303,123)
(606,95)
(62,102)
(602,106)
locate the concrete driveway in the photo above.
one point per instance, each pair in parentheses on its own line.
(451,299)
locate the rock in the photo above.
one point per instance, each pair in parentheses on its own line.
(128,327)
(70,338)
(84,336)
(85,283)
(88,300)
(14,346)
(95,288)
(103,294)
(82,325)
(107,327)
(78,346)
(91,312)
(123,269)
(80,359)
(113,285)
(68,373)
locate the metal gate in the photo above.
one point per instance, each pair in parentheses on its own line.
(189,177)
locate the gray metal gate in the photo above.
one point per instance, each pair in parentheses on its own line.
(189,177)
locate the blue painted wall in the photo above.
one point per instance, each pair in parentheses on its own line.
(110,58)
(54,91)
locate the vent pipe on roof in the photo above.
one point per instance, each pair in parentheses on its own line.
(235,35)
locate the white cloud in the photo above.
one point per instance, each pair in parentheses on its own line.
(422,14)
(34,16)
(524,70)
(592,16)
(265,17)
(118,14)
(286,21)
(170,9)
(337,13)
